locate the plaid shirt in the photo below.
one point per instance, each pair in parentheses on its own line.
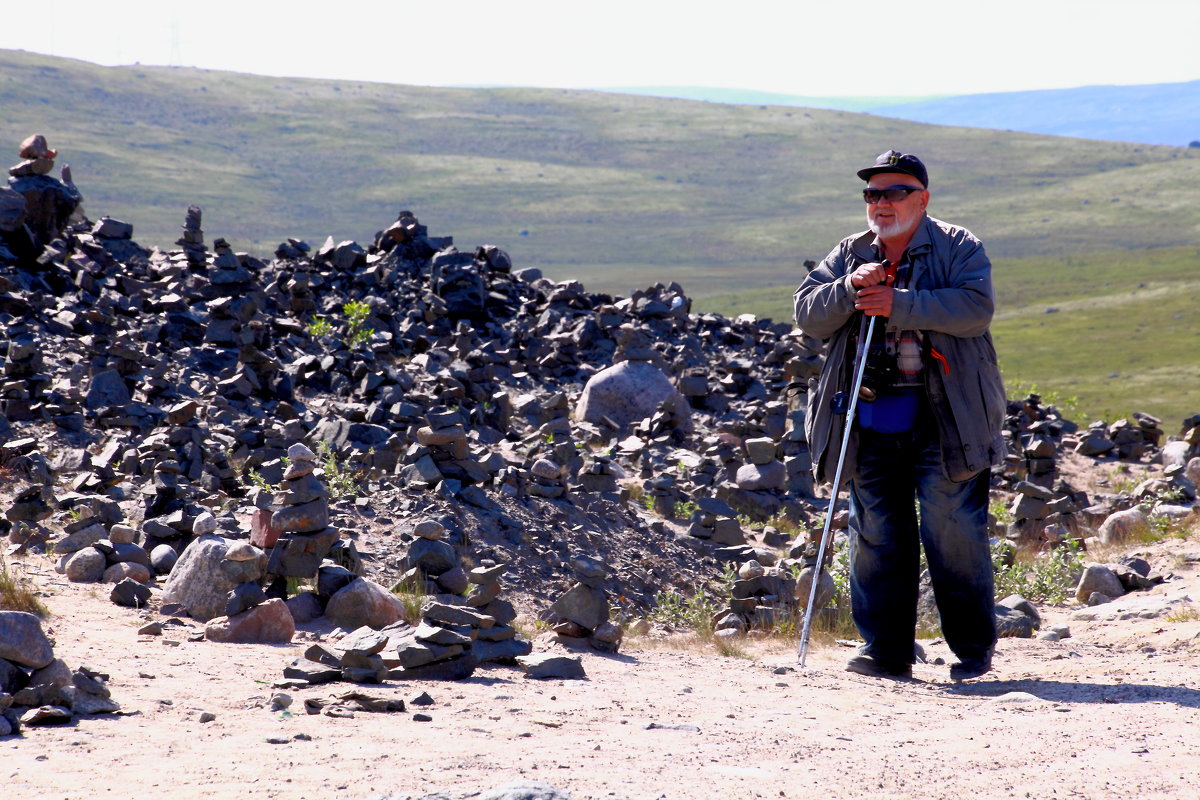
(905,346)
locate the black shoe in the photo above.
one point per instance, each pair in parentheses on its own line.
(874,668)
(970,668)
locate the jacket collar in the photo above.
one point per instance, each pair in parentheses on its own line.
(863,245)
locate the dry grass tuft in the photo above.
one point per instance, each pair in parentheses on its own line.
(18,594)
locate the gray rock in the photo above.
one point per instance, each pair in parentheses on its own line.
(628,392)
(456,615)
(299,555)
(197,582)
(761,477)
(825,588)
(205,523)
(46,715)
(126,569)
(1013,624)
(435,634)
(305,607)
(1098,578)
(525,790)
(454,580)
(760,450)
(130,593)
(107,388)
(122,534)
(85,566)
(1018,603)
(163,559)
(364,602)
(583,605)
(432,556)
(429,529)
(304,518)
(1123,526)
(549,665)
(454,669)
(80,539)
(22,640)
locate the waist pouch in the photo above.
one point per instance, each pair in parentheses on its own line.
(893,411)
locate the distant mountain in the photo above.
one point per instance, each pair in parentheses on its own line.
(1162,113)
(750,97)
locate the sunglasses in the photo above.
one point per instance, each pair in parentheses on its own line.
(893,194)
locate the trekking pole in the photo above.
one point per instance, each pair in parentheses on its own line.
(860,365)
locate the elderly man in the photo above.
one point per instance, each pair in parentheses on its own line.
(928,420)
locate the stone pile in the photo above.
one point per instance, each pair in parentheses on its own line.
(761,597)
(302,519)
(583,611)
(38,689)
(49,204)
(431,565)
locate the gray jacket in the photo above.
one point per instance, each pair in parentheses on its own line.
(951,302)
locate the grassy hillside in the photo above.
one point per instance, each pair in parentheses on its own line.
(615,190)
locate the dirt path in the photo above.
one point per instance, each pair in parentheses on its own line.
(1112,711)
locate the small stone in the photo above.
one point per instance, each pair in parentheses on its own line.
(206,717)
(429,529)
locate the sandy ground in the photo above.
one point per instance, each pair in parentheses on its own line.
(1112,711)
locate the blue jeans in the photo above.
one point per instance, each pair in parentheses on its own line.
(896,473)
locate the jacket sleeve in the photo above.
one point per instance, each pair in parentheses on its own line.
(825,299)
(964,307)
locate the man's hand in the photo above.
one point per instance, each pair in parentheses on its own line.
(875,301)
(874,284)
(869,275)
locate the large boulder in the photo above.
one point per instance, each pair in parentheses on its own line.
(628,392)
(270,622)
(364,602)
(22,640)
(1124,526)
(197,582)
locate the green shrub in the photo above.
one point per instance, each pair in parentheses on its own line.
(1048,577)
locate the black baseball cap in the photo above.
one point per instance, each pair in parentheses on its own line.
(895,161)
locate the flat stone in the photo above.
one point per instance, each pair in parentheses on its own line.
(434,634)
(363,641)
(304,518)
(456,615)
(80,539)
(504,651)
(549,665)
(454,669)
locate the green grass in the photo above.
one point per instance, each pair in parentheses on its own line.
(623,191)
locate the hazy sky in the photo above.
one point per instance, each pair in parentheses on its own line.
(826,48)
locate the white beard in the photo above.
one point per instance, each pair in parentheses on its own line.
(888,231)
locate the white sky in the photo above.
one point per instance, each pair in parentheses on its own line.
(801,47)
